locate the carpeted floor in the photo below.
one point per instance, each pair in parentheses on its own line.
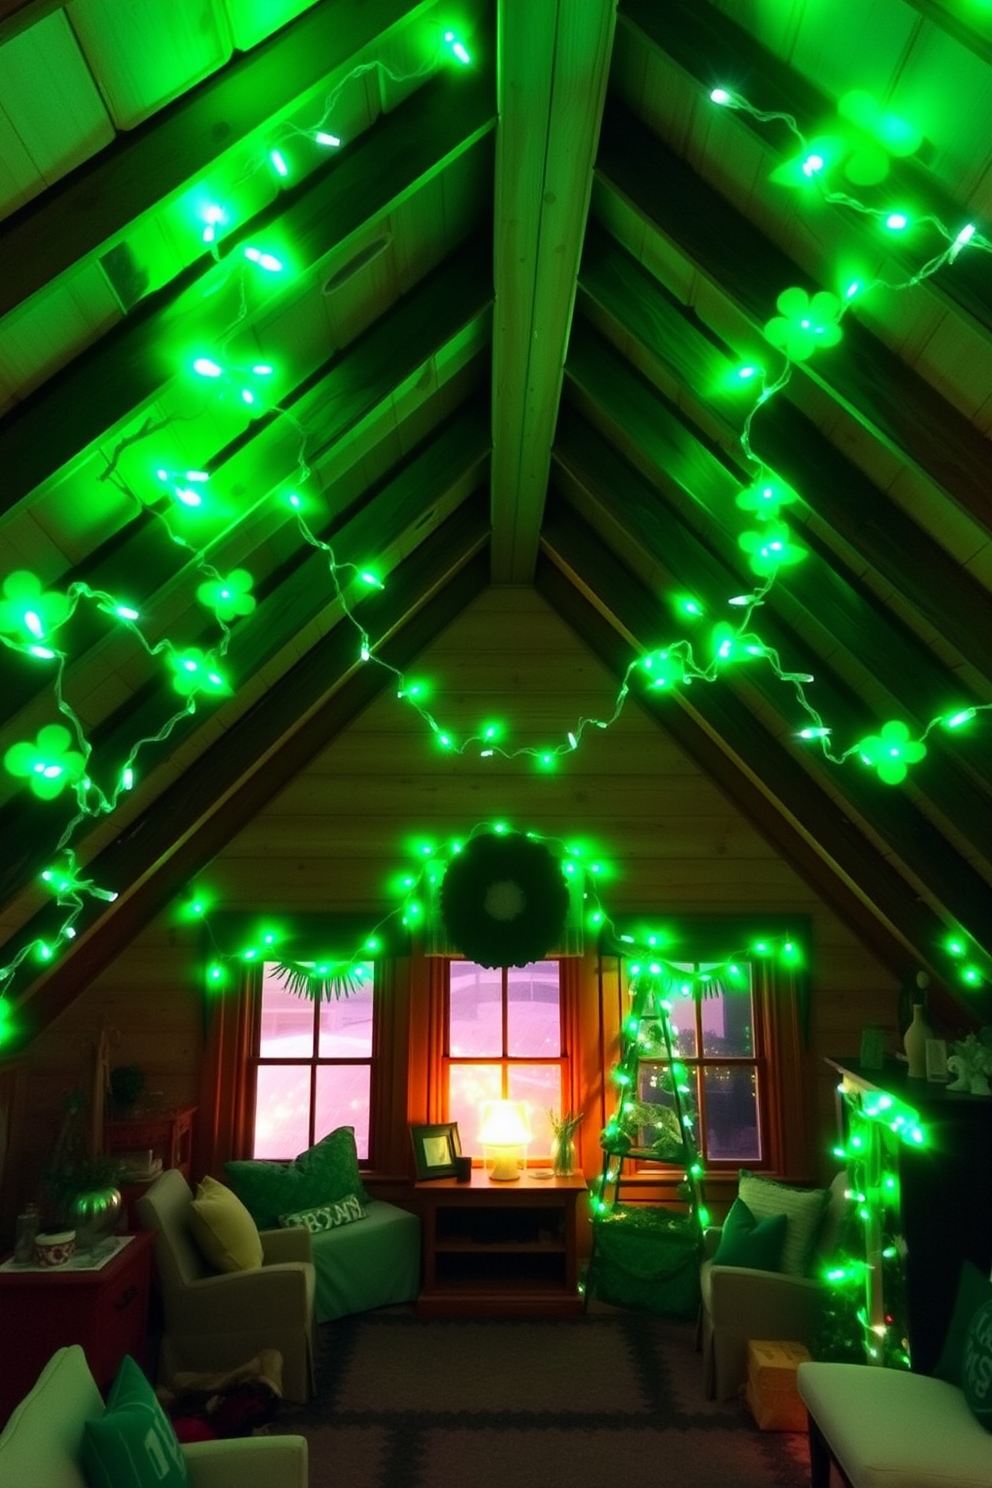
(613,1397)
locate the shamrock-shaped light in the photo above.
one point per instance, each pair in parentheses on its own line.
(891,752)
(766,497)
(229,597)
(29,613)
(49,764)
(805,324)
(770,548)
(876,135)
(196,671)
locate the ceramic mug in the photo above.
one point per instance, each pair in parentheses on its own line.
(54,1248)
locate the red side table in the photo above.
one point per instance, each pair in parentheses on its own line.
(106,1311)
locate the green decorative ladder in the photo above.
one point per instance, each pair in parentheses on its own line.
(646,1255)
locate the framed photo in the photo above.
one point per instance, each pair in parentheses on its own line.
(435,1148)
(936,1051)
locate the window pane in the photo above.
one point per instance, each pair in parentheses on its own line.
(468,1085)
(282,1110)
(475,1018)
(534,1010)
(731,1112)
(683,1024)
(728,1025)
(346,1024)
(540,1086)
(662,1132)
(343,1100)
(286,1027)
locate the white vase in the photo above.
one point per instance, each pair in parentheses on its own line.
(914,1041)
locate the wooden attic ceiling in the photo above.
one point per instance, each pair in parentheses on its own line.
(500,350)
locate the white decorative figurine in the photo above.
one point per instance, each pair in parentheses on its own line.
(971,1062)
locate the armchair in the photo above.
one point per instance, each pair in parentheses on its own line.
(217,1320)
(739,1303)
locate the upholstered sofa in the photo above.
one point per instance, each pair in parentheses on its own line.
(887,1428)
(41,1445)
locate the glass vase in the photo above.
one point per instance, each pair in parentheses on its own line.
(563,1156)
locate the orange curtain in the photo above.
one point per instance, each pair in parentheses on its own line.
(225,1120)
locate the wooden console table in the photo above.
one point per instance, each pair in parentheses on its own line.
(507,1248)
(167,1134)
(106,1311)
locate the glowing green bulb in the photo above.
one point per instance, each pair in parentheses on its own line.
(972,976)
(331,141)
(897,221)
(812,165)
(955,947)
(689,606)
(368,577)
(746,373)
(957,720)
(215,973)
(456,48)
(127,779)
(964,237)
(126,613)
(266,261)
(278,162)
(813,733)
(206,367)
(852,289)
(720,95)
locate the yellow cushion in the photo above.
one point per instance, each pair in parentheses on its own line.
(223,1229)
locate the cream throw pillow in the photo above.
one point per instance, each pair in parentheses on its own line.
(804,1210)
(223,1229)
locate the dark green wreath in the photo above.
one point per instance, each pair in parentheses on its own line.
(504,900)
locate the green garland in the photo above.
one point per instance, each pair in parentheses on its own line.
(504,900)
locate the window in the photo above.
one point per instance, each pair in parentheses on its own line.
(504,1040)
(718,1038)
(315,1066)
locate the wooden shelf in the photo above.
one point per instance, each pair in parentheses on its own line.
(506,1248)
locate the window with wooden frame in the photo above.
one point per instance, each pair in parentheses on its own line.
(744,1052)
(315,1065)
(506,1036)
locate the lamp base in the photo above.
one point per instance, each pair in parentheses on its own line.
(504,1169)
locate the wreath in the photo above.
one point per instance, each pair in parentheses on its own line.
(504,900)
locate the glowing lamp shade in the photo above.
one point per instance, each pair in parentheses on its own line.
(504,1132)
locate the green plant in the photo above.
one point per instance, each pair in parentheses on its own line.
(64,1182)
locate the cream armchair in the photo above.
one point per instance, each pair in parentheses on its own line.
(218,1320)
(41,1445)
(739,1303)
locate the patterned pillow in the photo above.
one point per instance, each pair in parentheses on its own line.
(133,1444)
(804,1209)
(976,1371)
(323,1174)
(327,1216)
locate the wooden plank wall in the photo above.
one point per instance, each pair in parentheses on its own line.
(334,837)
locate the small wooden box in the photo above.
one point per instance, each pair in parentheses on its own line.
(770,1390)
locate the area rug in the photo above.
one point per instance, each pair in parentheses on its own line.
(614,1396)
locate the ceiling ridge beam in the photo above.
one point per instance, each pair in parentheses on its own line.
(552,75)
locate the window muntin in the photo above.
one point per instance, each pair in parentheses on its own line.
(503,1030)
(314,1068)
(717,1038)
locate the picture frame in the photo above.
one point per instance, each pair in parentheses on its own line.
(936,1056)
(435,1147)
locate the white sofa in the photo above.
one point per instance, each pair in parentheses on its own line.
(41,1445)
(887,1428)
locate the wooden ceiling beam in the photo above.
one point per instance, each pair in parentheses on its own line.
(113,380)
(748,271)
(444,473)
(88,210)
(158,855)
(709,48)
(551,76)
(635,310)
(612,612)
(891,815)
(326,409)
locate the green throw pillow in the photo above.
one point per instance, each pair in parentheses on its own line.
(133,1444)
(804,1209)
(327,1216)
(324,1174)
(976,1372)
(746,1241)
(974,1290)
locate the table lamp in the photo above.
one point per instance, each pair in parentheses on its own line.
(504,1133)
